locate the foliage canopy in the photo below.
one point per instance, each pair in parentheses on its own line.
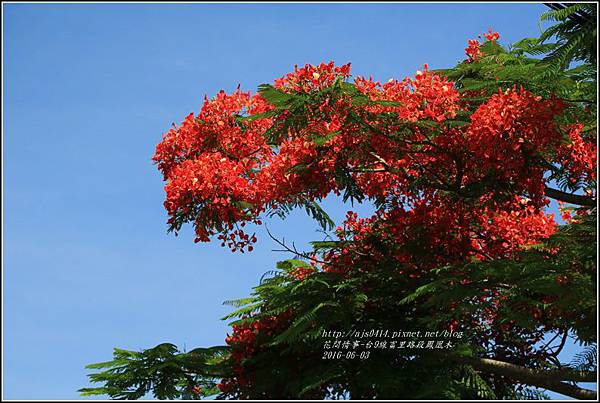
(460,164)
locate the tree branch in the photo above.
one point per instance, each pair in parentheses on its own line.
(561,345)
(292,249)
(551,380)
(579,200)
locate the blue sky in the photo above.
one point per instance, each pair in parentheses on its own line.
(88,90)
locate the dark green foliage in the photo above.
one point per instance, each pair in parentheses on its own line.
(575,34)
(380,298)
(586,360)
(313,209)
(162,371)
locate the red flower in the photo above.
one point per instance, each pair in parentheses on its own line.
(491,36)
(473,51)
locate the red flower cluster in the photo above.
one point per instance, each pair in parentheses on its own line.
(220,171)
(209,164)
(303,272)
(473,51)
(310,78)
(222,174)
(245,342)
(427,96)
(436,231)
(578,156)
(506,231)
(506,132)
(491,35)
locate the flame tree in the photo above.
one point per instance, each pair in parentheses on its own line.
(460,164)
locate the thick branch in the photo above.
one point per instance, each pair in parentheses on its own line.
(551,380)
(579,200)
